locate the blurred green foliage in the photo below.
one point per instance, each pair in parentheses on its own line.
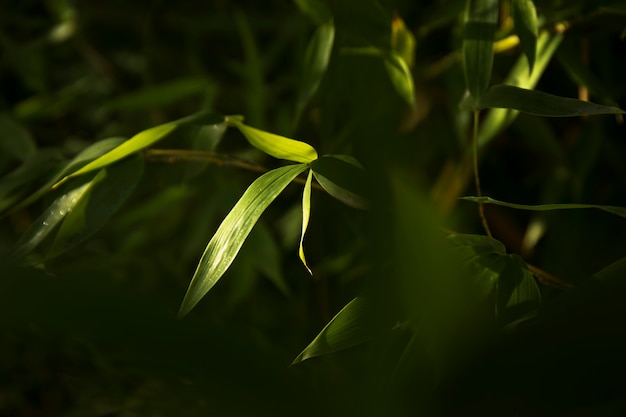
(446,320)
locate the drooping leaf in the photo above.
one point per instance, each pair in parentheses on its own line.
(498,119)
(277,146)
(540,103)
(400,76)
(142,140)
(343,178)
(94,207)
(49,220)
(15,140)
(316,61)
(306,214)
(87,155)
(232,232)
(480,24)
(619,211)
(350,327)
(525,17)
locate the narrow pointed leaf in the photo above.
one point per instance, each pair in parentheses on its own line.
(400,76)
(315,62)
(315,9)
(525,17)
(350,327)
(277,146)
(540,103)
(403,41)
(481,20)
(618,211)
(498,119)
(142,140)
(87,155)
(342,177)
(103,198)
(49,220)
(306,213)
(233,231)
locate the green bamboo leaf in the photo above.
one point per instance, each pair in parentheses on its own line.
(481,20)
(316,61)
(306,213)
(104,196)
(400,76)
(232,232)
(517,289)
(498,119)
(350,327)
(142,140)
(342,177)
(540,103)
(160,95)
(525,17)
(614,273)
(277,146)
(618,211)
(84,157)
(403,41)
(49,220)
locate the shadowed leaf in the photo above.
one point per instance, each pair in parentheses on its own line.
(343,178)
(525,17)
(619,211)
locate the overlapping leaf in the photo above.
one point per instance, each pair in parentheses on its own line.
(525,17)
(233,231)
(142,140)
(540,103)
(350,327)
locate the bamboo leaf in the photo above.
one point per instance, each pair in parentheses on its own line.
(142,140)
(277,146)
(15,140)
(342,177)
(525,17)
(403,41)
(400,76)
(87,155)
(233,231)
(350,327)
(498,119)
(481,20)
(618,211)
(93,208)
(315,63)
(306,213)
(315,9)
(540,103)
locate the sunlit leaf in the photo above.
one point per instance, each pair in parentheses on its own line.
(480,24)
(350,327)
(525,17)
(400,76)
(306,214)
(233,231)
(142,140)
(619,211)
(343,178)
(540,103)
(277,146)
(103,198)
(315,62)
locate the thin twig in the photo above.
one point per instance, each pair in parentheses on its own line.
(186,155)
(481,207)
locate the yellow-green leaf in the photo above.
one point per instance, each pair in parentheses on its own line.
(525,17)
(277,146)
(306,214)
(233,231)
